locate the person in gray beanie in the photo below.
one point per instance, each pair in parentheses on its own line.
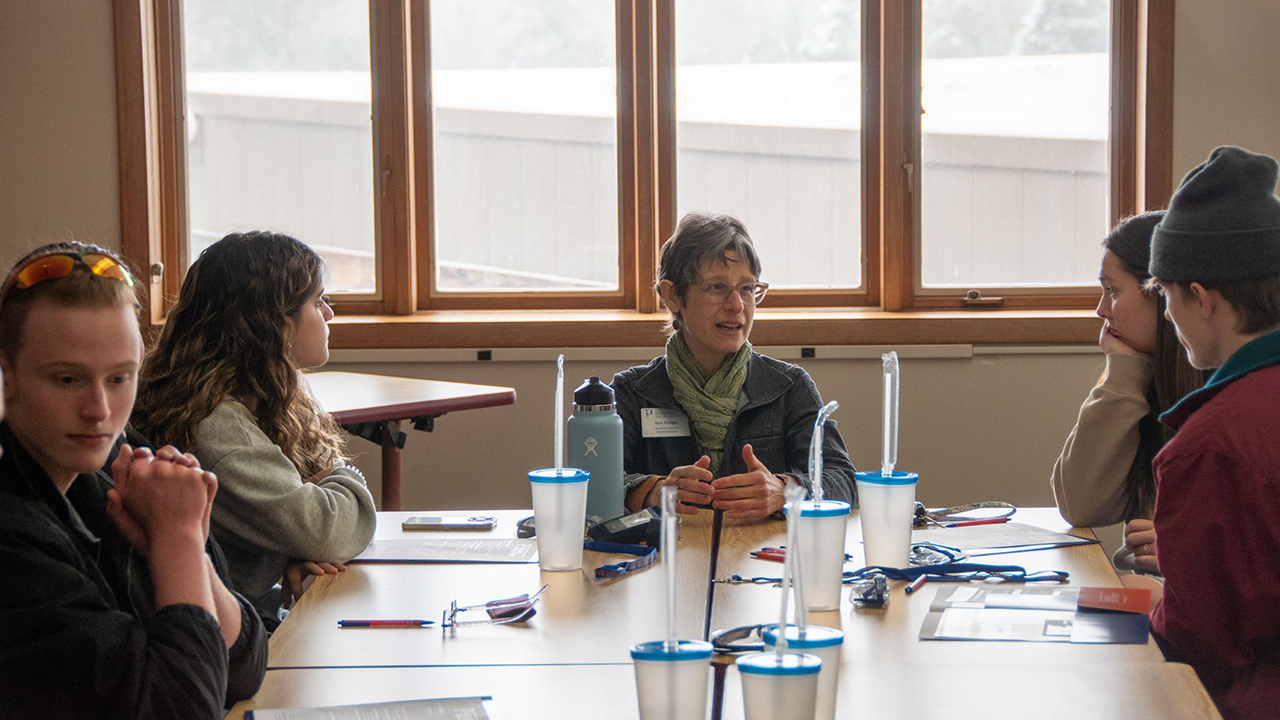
(1216,256)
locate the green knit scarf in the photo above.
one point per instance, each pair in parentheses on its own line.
(709,403)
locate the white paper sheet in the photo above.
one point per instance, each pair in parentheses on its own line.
(512,550)
(1006,535)
(444,709)
(991,624)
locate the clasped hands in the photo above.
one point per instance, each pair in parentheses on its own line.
(752,495)
(167,495)
(160,497)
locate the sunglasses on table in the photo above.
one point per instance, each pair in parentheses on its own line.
(57,265)
(500,612)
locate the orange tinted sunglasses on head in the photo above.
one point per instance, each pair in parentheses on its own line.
(61,264)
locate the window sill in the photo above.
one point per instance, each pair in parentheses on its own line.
(625,328)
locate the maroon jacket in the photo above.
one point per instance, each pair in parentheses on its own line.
(1217,518)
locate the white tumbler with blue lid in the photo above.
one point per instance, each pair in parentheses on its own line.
(779,687)
(559,516)
(822,526)
(886,505)
(825,643)
(671,679)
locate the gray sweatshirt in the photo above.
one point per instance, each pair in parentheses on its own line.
(264,515)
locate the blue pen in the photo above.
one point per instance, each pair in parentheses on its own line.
(384,623)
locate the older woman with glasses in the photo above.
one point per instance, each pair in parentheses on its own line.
(729,427)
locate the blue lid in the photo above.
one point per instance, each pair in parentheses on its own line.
(815,636)
(897,477)
(826,508)
(766,663)
(684,650)
(568,475)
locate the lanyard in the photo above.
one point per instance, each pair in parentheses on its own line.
(963,572)
(949,572)
(644,558)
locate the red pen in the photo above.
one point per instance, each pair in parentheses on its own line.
(987,521)
(770,553)
(384,623)
(917,583)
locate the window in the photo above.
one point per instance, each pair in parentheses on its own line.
(768,112)
(278,129)
(452,155)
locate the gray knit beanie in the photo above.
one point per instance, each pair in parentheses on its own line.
(1223,222)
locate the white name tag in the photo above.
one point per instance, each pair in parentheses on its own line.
(661,422)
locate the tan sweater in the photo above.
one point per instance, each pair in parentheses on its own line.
(1090,479)
(265,515)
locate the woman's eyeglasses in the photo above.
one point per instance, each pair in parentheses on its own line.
(61,264)
(751,293)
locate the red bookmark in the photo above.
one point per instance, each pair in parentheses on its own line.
(968,523)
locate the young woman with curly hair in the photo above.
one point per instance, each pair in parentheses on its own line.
(225,382)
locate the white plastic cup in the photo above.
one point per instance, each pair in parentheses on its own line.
(824,643)
(886,504)
(559,515)
(821,531)
(671,683)
(779,690)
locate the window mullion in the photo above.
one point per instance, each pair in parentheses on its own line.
(392,154)
(899,150)
(422,183)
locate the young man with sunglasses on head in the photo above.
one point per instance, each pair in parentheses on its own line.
(114,602)
(1216,255)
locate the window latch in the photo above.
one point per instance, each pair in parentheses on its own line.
(911,169)
(973,300)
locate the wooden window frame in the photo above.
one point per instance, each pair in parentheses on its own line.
(1140,150)
(407,311)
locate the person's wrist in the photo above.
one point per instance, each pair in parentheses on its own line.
(176,536)
(654,497)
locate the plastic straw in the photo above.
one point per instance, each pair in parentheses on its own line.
(815,448)
(781,648)
(669,560)
(560,415)
(889,453)
(795,496)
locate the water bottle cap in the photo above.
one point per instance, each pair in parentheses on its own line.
(593,392)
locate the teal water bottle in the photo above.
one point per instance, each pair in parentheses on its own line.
(595,445)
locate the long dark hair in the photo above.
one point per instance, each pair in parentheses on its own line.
(1174,377)
(226,338)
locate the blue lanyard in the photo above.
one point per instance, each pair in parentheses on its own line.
(963,572)
(645,557)
(948,572)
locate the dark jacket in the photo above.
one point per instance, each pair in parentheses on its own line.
(1218,522)
(79,632)
(776,411)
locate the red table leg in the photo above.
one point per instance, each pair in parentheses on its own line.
(390,466)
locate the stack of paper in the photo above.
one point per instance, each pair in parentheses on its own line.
(1032,614)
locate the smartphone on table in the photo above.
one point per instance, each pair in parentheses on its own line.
(440,522)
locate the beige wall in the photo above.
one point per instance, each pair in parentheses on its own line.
(1226,79)
(986,424)
(58,173)
(976,427)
